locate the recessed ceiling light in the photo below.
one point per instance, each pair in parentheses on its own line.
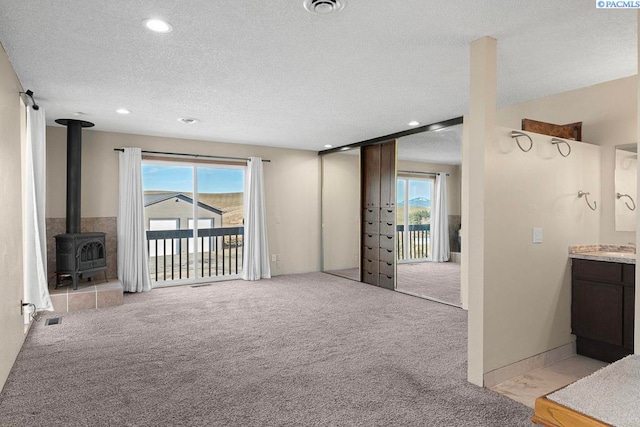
(323,7)
(328,146)
(187,120)
(123,111)
(345,148)
(78,113)
(413,123)
(158,25)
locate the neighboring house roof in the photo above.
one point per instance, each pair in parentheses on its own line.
(152,199)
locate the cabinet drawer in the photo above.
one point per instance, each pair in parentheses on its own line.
(599,271)
(386,255)
(371,215)
(629,274)
(371,227)
(387,242)
(370,253)
(370,266)
(369,277)
(370,240)
(387,215)
(386,268)
(385,281)
(387,228)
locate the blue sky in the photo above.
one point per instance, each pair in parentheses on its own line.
(417,188)
(180,178)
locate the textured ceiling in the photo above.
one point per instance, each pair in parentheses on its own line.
(270,73)
(440,146)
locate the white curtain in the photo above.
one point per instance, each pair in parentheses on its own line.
(133,263)
(255,263)
(36,290)
(440,222)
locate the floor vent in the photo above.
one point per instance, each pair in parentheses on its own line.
(199,286)
(53,321)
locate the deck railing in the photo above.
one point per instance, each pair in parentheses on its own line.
(219,252)
(419,238)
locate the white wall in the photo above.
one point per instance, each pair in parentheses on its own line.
(292,187)
(608,115)
(11,279)
(340,211)
(527,286)
(626,175)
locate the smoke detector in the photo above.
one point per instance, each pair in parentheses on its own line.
(323,7)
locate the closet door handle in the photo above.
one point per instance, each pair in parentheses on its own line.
(389,224)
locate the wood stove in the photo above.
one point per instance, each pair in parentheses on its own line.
(79,255)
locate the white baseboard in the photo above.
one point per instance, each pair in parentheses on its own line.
(455,257)
(525,366)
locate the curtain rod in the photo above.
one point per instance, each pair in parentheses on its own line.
(28,94)
(195,156)
(422,173)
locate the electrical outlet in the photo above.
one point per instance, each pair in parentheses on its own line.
(274,258)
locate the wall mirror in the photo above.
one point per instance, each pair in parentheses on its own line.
(421,157)
(625,187)
(341,213)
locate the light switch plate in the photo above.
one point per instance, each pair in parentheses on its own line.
(537,234)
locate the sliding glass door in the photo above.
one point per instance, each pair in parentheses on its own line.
(413,218)
(194,221)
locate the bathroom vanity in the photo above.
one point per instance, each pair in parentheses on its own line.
(603,300)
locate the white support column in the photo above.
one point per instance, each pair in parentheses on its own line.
(480,128)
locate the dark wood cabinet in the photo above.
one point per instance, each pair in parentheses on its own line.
(371,176)
(629,317)
(378,169)
(597,311)
(388,175)
(603,308)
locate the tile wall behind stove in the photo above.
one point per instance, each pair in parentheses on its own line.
(105,225)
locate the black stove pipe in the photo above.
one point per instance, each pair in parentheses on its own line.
(74,171)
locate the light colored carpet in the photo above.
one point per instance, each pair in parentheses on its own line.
(307,350)
(349,273)
(439,280)
(609,394)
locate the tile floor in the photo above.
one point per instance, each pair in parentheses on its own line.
(526,388)
(89,295)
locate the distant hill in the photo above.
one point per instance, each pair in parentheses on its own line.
(418,202)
